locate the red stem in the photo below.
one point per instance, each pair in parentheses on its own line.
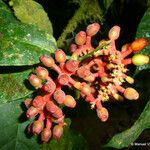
(47,97)
(98,104)
(113,47)
(127,61)
(57,69)
(88,42)
(120,88)
(90,98)
(41,117)
(48,123)
(126,53)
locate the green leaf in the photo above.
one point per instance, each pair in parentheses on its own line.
(35,15)
(143,31)
(13,86)
(107,4)
(13,130)
(127,137)
(13,125)
(21,44)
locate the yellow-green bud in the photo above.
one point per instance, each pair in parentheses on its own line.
(140,59)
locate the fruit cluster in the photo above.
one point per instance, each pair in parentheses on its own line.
(98,73)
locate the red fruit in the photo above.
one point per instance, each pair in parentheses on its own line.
(28,102)
(125,47)
(57,132)
(41,72)
(35,81)
(72,65)
(73,48)
(139,44)
(105,79)
(60,56)
(51,107)
(69,101)
(86,89)
(80,38)
(47,61)
(37,127)
(32,112)
(129,79)
(46,135)
(102,113)
(63,79)
(59,96)
(114,33)
(92,29)
(131,94)
(83,72)
(38,102)
(50,87)
(58,113)
(89,78)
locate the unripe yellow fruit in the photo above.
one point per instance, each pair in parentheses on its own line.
(140,59)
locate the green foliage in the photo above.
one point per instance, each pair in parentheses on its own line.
(127,137)
(31,12)
(107,4)
(21,44)
(13,89)
(13,130)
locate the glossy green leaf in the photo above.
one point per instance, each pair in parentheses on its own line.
(14,137)
(35,15)
(13,86)
(144,31)
(21,44)
(127,137)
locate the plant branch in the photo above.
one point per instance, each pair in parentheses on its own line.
(90,54)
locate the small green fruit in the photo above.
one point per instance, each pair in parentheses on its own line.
(140,59)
